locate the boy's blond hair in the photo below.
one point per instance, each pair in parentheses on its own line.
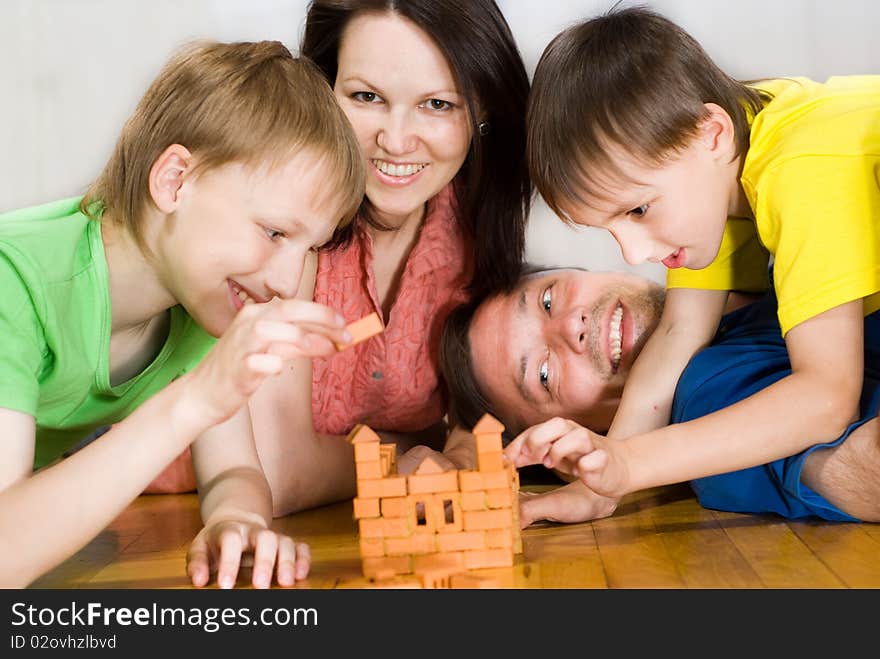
(252,103)
(628,80)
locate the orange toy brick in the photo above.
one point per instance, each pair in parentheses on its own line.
(435,524)
(362,329)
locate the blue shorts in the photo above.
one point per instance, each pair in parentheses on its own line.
(747,355)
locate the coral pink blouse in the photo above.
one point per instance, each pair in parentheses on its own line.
(392,381)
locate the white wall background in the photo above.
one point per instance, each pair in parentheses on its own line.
(72,70)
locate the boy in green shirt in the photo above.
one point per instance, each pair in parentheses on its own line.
(236,163)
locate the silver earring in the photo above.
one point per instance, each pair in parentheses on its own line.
(483,127)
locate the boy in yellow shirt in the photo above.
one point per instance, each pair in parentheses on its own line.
(632,128)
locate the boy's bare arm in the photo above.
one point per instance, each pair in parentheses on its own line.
(231,480)
(689,321)
(813,404)
(304,468)
(236,506)
(105,476)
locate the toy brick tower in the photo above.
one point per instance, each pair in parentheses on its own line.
(435,524)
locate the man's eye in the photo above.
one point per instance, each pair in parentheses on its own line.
(639,211)
(544,374)
(546,300)
(273,234)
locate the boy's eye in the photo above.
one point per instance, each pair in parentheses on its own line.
(366,97)
(544,374)
(546,300)
(273,234)
(438,104)
(639,211)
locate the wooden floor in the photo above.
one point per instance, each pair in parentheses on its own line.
(659,538)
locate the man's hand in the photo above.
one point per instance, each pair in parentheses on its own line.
(222,546)
(410,461)
(568,504)
(600,463)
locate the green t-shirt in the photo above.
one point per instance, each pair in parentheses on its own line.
(55,326)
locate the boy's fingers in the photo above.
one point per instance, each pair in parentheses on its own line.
(311,345)
(270,333)
(303,561)
(266,331)
(265,364)
(265,544)
(536,448)
(568,448)
(286,561)
(592,462)
(231,546)
(332,331)
(521,450)
(198,562)
(304,311)
(514,449)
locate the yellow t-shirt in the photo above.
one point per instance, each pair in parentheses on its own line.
(812,178)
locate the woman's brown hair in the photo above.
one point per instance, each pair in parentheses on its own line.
(492,190)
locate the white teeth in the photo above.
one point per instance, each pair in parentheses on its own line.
(391,169)
(614,335)
(244,297)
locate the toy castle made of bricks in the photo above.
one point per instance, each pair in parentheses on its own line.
(435,525)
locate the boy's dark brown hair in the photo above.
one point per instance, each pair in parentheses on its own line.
(252,103)
(628,79)
(493,191)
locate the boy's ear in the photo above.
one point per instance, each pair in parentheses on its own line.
(167,176)
(717,132)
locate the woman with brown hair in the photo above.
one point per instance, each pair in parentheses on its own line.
(436,93)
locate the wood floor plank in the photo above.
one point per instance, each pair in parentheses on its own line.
(849,550)
(660,538)
(576,561)
(705,555)
(633,553)
(103,550)
(872,530)
(152,570)
(776,553)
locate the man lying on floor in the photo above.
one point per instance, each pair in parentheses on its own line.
(559,346)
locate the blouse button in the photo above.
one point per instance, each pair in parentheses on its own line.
(377,375)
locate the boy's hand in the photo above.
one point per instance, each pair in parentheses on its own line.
(562,444)
(258,343)
(220,547)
